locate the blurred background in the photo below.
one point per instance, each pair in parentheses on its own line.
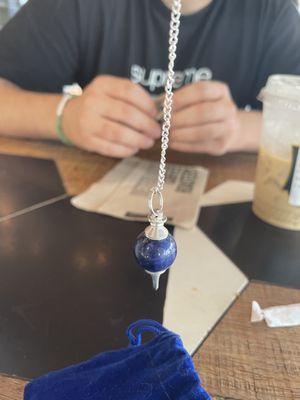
(8,8)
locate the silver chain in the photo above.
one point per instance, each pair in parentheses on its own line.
(168,105)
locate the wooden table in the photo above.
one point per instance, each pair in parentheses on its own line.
(238,361)
(80,169)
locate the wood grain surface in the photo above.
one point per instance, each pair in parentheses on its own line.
(80,169)
(244,361)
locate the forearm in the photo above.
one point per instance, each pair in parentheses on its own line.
(27,114)
(250,125)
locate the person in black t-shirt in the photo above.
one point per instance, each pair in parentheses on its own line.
(117,51)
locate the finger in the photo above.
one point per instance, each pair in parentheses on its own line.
(131,116)
(200,92)
(121,134)
(198,133)
(212,147)
(110,149)
(204,113)
(125,90)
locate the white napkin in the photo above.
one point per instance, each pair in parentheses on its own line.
(276,317)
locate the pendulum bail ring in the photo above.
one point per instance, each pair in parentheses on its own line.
(155,211)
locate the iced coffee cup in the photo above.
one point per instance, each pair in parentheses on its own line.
(277,187)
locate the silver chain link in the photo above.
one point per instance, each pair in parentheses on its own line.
(168,105)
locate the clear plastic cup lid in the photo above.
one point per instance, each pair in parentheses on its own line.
(286,87)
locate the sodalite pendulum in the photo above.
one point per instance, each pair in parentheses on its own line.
(155,249)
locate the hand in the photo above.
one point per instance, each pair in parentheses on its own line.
(113,117)
(205,119)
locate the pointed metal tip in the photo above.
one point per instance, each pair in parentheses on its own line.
(155,278)
(155,281)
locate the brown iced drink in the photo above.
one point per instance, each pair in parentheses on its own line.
(275,178)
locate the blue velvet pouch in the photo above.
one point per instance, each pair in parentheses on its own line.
(160,369)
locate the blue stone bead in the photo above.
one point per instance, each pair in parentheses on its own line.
(155,255)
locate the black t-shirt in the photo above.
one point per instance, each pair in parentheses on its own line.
(50,43)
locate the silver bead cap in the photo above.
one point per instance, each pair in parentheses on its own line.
(156,230)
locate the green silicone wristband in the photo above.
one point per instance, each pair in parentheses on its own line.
(60,132)
(69,92)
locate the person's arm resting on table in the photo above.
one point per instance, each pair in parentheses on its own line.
(25,113)
(39,53)
(113,117)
